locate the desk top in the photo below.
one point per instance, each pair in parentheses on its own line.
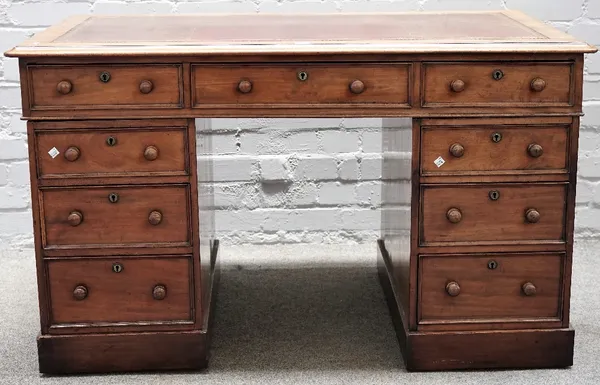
(417,32)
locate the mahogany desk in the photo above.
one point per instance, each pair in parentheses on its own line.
(477,275)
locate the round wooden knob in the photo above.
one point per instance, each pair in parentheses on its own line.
(457,150)
(535,150)
(454,215)
(159,292)
(532,216)
(457,85)
(538,85)
(72,154)
(453,289)
(155,217)
(80,292)
(75,218)
(64,87)
(357,87)
(146,86)
(245,86)
(529,288)
(151,153)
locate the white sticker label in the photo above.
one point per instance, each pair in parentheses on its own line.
(53,152)
(439,161)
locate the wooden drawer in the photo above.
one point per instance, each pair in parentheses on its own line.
(105,86)
(109,290)
(498,84)
(140,216)
(494,150)
(490,288)
(297,84)
(492,213)
(101,153)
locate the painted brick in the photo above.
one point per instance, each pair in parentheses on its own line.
(14,198)
(11,69)
(593,9)
(316,167)
(236,196)
(125,8)
(359,219)
(587,218)
(302,194)
(18,174)
(16,224)
(369,193)
(3,175)
(310,6)
(233,168)
(587,31)
(589,166)
(217,7)
(12,37)
(336,141)
(45,13)
(371,167)
(274,169)
(371,141)
(336,193)
(559,10)
(348,168)
(585,191)
(380,6)
(10,97)
(13,149)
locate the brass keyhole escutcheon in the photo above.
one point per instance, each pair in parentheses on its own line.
(105,77)
(494,195)
(111,141)
(113,197)
(497,74)
(302,76)
(492,265)
(117,267)
(496,137)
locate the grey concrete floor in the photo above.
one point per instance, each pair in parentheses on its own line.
(297,314)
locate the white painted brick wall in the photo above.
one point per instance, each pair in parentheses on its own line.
(278,180)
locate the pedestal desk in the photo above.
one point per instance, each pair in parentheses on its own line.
(477,268)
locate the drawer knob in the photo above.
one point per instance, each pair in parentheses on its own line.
(453,289)
(64,87)
(72,154)
(151,153)
(457,150)
(159,292)
(535,150)
(454,215)
(146,86)
(532,215)
(155,217)
(457,85)
(538,85)
(75,218)
(245,86)
(529,289)
(80,292)
(357,87)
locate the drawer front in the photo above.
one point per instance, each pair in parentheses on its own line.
(530,84)
(115,216)
(502,150)
(99,290)
(91,153)
(490,288)
(493,214)
(106,87)
(311,85)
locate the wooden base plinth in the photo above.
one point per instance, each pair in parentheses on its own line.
(122,352)
(129,352)
(493,349)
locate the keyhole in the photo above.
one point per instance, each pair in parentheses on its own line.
(117,267)
(302,76)
(492,264)
(111,141)
(496,137)
(104,77)
(494,195)
(113,198)
(497,74)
